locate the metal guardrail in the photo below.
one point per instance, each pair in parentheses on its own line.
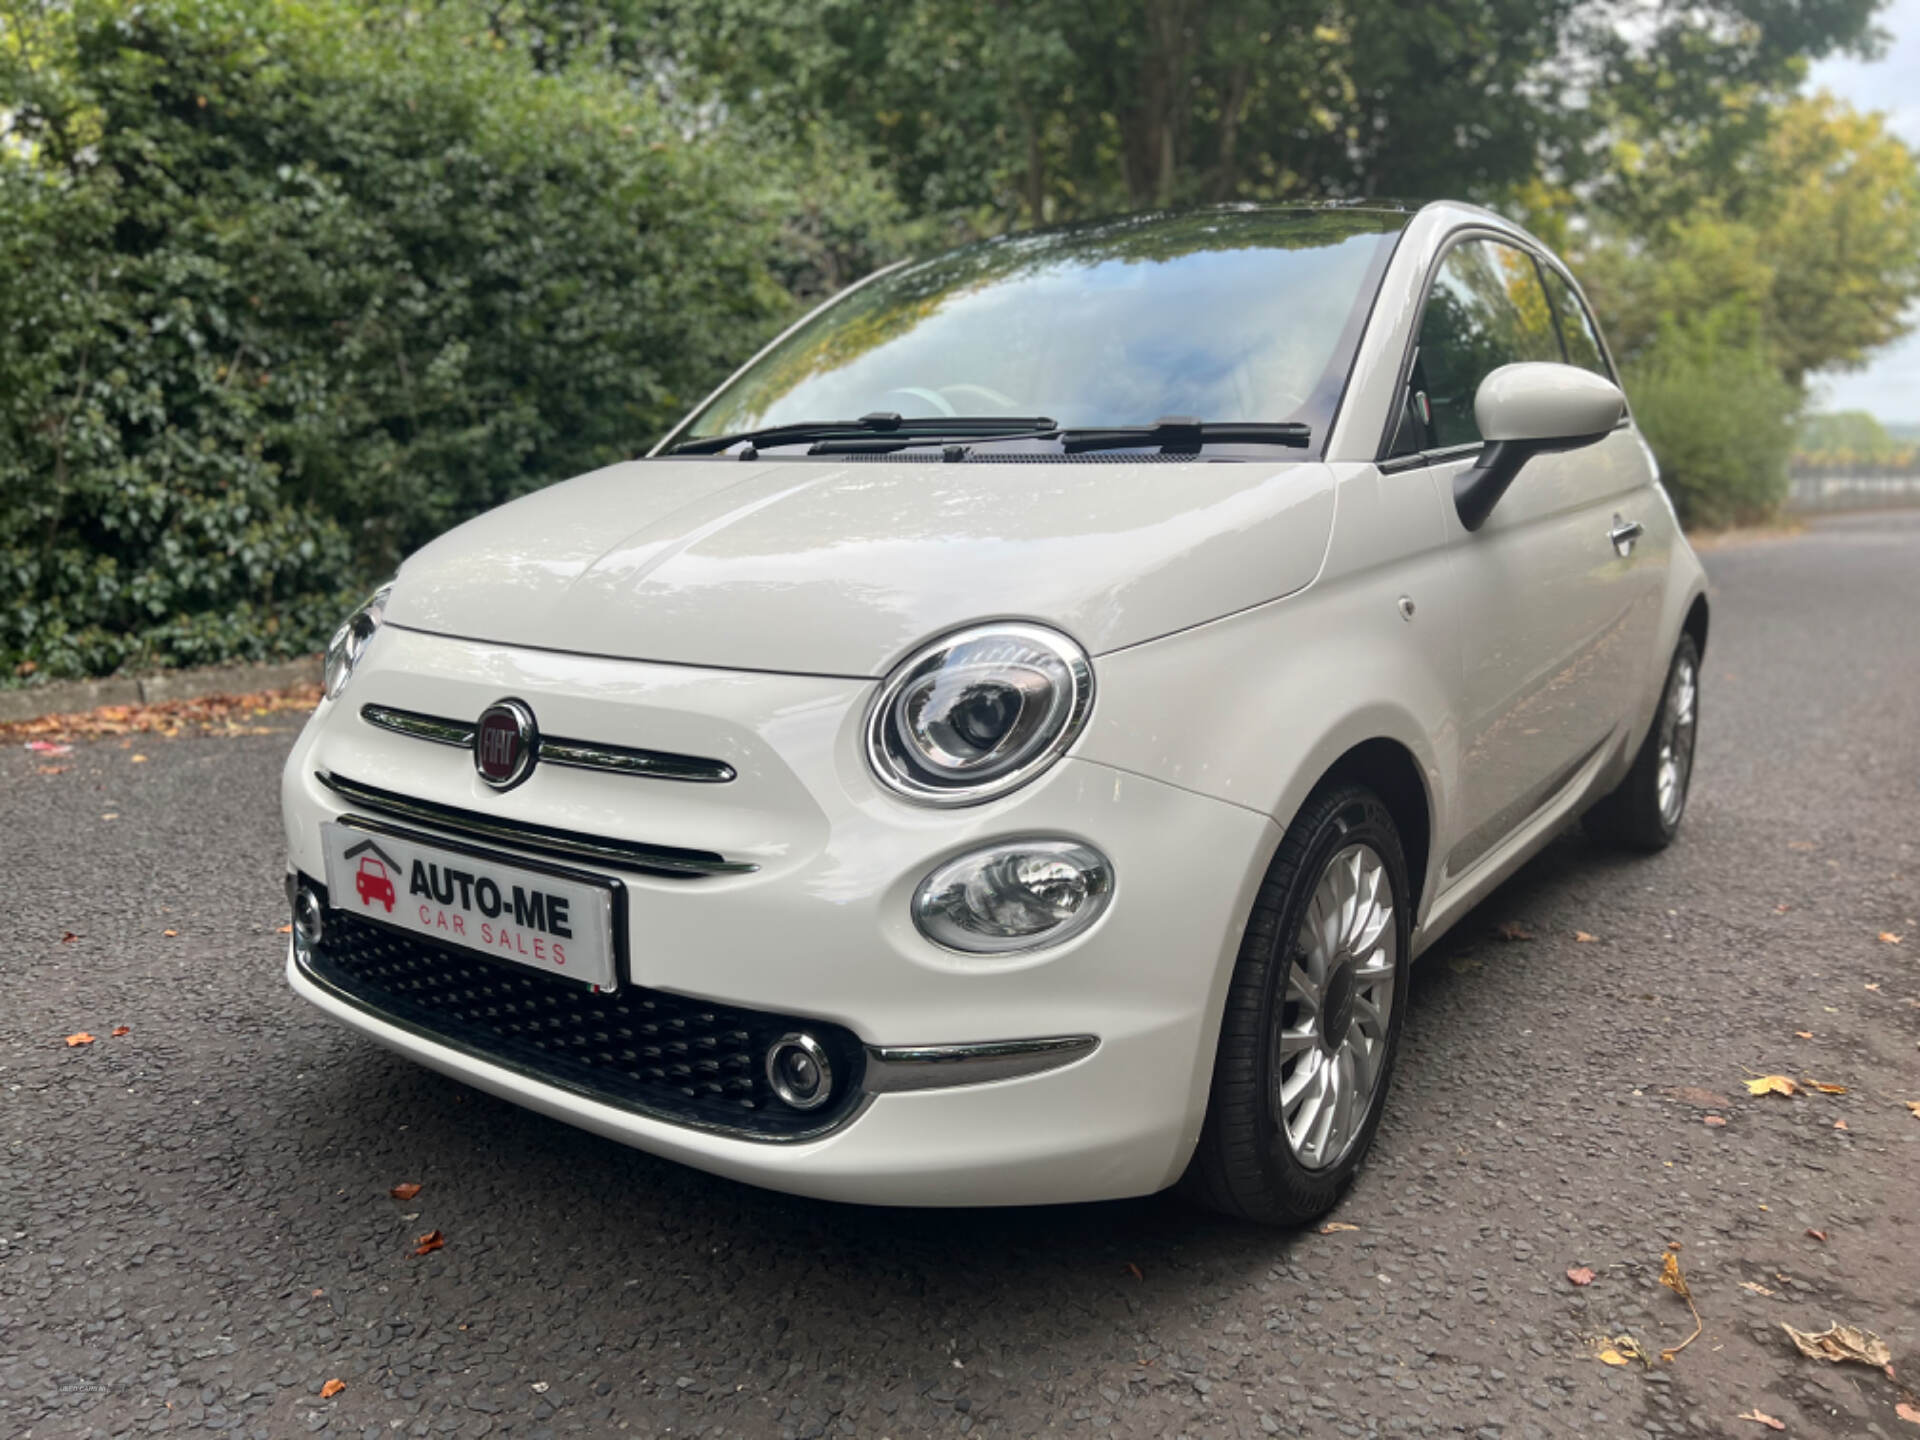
(1861,488)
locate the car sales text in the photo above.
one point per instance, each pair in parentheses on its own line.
(528,910)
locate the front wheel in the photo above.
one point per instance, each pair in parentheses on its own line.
(1312,1020)
(1644,810)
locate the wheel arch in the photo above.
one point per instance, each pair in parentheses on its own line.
(1388,768)
(1696,623)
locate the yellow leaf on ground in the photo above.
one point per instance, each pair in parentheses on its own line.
(332,1388)
(1841,1343)
(1772,1085)
(1757,1288)
(79,1037)
(1764,1418)
(1580,937)
(1824,1089)
(1887,937)
(1611,1356)
(1803,1034)
(1914,1106)
(1337,1227)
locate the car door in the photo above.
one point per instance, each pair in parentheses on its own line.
(1554,620)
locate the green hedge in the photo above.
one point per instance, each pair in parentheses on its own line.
(285,291)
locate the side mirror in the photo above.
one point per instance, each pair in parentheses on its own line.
(1525,410)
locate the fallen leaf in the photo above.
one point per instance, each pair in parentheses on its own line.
(1134,1270)
(1772,1085)
(1580,937)
(1764,1418)
(1610,1356)
(1908,1413)
(1618,1350)
(50,769)
(1819,1235)
(1887,937)
(284,930)
(120,1030)
(1510,931)
(404,1191)
(1671,1277)
(68,938)
(317,1293)
(111,815)
(79,1037)
(1803,1034)
(1337,1227)
(1914,1106)
(208,714)
(138,760)
(1757,1288)
(1715,1120)
(332,1388)
(1580,1275)
(1840,1125)
(1841,1343)
(1781,909)
(1823,1088)
(429,1242)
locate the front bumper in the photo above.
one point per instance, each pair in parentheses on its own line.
(820,928)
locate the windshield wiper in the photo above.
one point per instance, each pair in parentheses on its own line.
(1183,432)
(881,425)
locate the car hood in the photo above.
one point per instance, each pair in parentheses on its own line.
(830,568)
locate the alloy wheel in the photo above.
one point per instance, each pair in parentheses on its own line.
(1330,1047)
(1676,742)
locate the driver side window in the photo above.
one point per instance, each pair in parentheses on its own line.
(1487,309)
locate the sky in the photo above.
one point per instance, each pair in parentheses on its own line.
(1890,384)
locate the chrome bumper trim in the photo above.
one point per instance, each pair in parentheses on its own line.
(552,750)
(892,1069)
(541,839)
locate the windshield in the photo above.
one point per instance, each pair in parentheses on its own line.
(1219,315)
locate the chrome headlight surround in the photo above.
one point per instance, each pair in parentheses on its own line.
(350,641)
(978,713)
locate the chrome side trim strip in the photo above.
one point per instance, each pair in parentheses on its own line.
(892,1069)
(542,839)
(420,727)
(656,764)
(552,750)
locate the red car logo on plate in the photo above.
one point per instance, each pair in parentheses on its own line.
(373,883)
(504,744)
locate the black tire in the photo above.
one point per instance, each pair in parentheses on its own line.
(1632,815)
(1244,1165)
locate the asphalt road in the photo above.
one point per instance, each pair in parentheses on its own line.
(195,1228)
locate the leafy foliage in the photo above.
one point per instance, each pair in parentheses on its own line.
(289,291)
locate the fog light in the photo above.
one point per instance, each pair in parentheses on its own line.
(308,924)
(1015,895)
(799,1071)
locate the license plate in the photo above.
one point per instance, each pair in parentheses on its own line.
(540,918)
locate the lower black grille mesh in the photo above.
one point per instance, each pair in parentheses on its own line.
(667,1056)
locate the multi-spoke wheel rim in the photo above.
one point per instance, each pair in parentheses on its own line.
(1330,1047)
(1676,742)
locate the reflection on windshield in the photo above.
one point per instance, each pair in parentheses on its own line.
(1222,315)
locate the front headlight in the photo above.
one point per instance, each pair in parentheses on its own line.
(349,642)
(979,713)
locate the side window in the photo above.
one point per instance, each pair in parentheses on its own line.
(1576,326)
(1487,309)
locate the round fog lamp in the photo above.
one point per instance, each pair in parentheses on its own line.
(799,1072)
(1014,895)
(308,924)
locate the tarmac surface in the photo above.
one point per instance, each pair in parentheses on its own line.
(196,1231)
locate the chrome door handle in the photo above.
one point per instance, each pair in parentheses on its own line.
(1623,534)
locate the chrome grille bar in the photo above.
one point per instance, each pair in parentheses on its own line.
(552,750)
(541,839)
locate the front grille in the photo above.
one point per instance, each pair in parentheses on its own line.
(663,1055)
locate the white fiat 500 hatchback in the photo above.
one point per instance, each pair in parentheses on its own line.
(1010,742)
